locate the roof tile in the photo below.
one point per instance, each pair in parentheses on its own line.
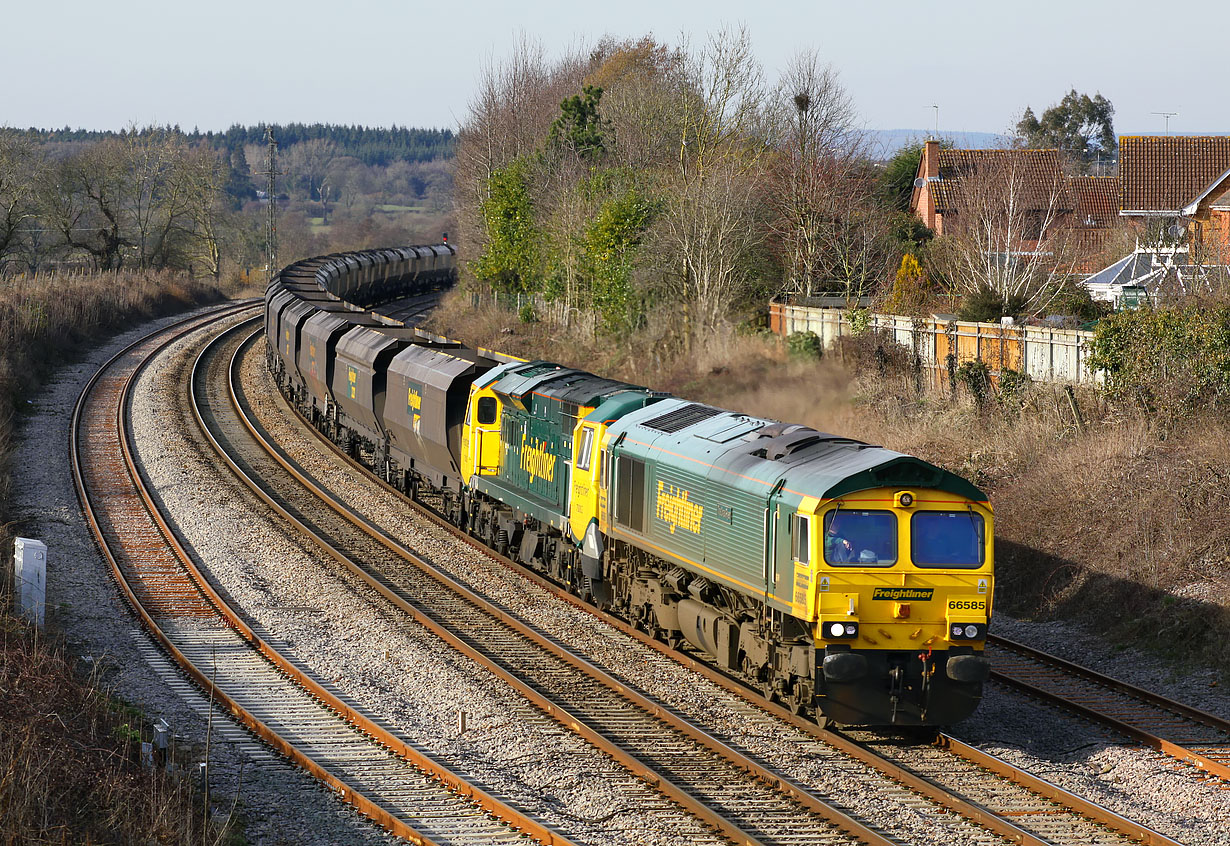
(1167,172)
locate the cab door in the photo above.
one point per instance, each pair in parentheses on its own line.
(785,547)
(585,470)
(481,444)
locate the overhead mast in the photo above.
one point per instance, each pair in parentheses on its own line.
(271,223)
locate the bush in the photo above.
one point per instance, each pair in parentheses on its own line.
(527,313)
(1012,387)
(1168,361)
(988,306)
(976,377)
(875,351)
(805,345)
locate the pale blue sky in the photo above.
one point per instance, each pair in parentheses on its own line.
(104,65)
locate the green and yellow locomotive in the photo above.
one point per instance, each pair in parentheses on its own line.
(846,580)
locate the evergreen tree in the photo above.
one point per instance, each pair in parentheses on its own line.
(1080,125)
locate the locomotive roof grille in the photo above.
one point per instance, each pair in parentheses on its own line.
(682,418)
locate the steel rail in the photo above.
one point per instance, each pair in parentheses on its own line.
(926,787)
(364,804)
(574,723)
(1143,730)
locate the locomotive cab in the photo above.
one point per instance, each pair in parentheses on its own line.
(903,585)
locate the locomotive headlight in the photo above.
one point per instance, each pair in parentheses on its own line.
(903,499)
(967,631)
(846,630)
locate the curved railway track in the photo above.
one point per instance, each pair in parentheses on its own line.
(996,796)
(1188,734)
(722,787)
(352,753)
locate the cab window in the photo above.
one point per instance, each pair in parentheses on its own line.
(860,538)
(586,450)
(947,539)
(799,537)
(486,410)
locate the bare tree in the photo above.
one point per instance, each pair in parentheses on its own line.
(711,222)
(819,188)
(509,117)
(155,197)
(1005,231)
(641,82)
(19,168)
(202,176)
(82,200)
(310,161)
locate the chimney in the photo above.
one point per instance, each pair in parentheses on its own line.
(931,159)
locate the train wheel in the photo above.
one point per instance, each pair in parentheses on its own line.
(768,686)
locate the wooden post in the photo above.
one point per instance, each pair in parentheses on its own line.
(1076,410)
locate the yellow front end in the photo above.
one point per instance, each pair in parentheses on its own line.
(903,584)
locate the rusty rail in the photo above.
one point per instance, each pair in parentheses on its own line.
(1194,737)
(193,590)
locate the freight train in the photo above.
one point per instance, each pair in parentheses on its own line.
(849,582)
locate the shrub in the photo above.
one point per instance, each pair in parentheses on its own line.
(805,345)
(976,377)
(1167,361)
(527,313)
(988,306)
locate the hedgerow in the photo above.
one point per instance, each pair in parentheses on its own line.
(1168,361)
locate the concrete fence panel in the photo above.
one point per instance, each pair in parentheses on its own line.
(1045,354)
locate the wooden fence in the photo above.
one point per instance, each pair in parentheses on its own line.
(1045,354)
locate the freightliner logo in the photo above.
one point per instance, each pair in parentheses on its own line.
(899,594)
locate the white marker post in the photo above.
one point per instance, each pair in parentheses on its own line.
(30,578)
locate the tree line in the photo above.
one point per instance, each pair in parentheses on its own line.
(370,145)
(639,174)
(159,198)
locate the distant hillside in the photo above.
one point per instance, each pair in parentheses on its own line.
(886,142)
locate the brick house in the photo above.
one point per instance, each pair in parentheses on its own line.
(1177,180)
(940,186)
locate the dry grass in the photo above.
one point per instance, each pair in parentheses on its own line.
(1121,526)
(70,768)
(69,754)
